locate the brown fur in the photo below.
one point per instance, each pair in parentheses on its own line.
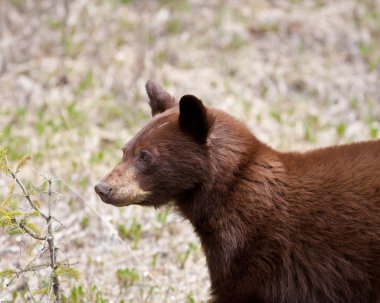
(275,227)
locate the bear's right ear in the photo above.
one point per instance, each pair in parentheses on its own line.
(193,118)
(159,99)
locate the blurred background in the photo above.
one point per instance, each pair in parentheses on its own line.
(300,73)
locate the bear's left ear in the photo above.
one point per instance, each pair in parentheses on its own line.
(193,118)
(159,99)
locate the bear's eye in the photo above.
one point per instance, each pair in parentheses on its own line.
(144,156)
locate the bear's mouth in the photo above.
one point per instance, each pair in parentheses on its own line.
(120,200)
(108,200)
(114,202)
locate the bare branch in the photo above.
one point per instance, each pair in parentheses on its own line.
(27,196)
(27,231)
(53,257)
(26,269)
(49,237)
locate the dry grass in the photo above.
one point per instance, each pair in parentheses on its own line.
(300,73)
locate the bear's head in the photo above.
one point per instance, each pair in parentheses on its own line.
(167,158)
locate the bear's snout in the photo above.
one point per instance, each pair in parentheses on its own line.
(121,188)
(103,189)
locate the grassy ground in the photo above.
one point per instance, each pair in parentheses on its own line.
(301,74)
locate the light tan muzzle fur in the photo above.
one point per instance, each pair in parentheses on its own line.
(121,188)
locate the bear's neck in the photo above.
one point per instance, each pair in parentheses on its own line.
(230,210)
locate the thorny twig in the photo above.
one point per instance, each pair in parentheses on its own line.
(52,250)
(26,194)
(27,231)
(28,268)
(54,284)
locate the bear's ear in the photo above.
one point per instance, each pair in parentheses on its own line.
(193,118)
(159,99)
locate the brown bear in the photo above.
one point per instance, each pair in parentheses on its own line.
(274,226)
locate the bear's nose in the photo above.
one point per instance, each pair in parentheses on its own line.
(103,189)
